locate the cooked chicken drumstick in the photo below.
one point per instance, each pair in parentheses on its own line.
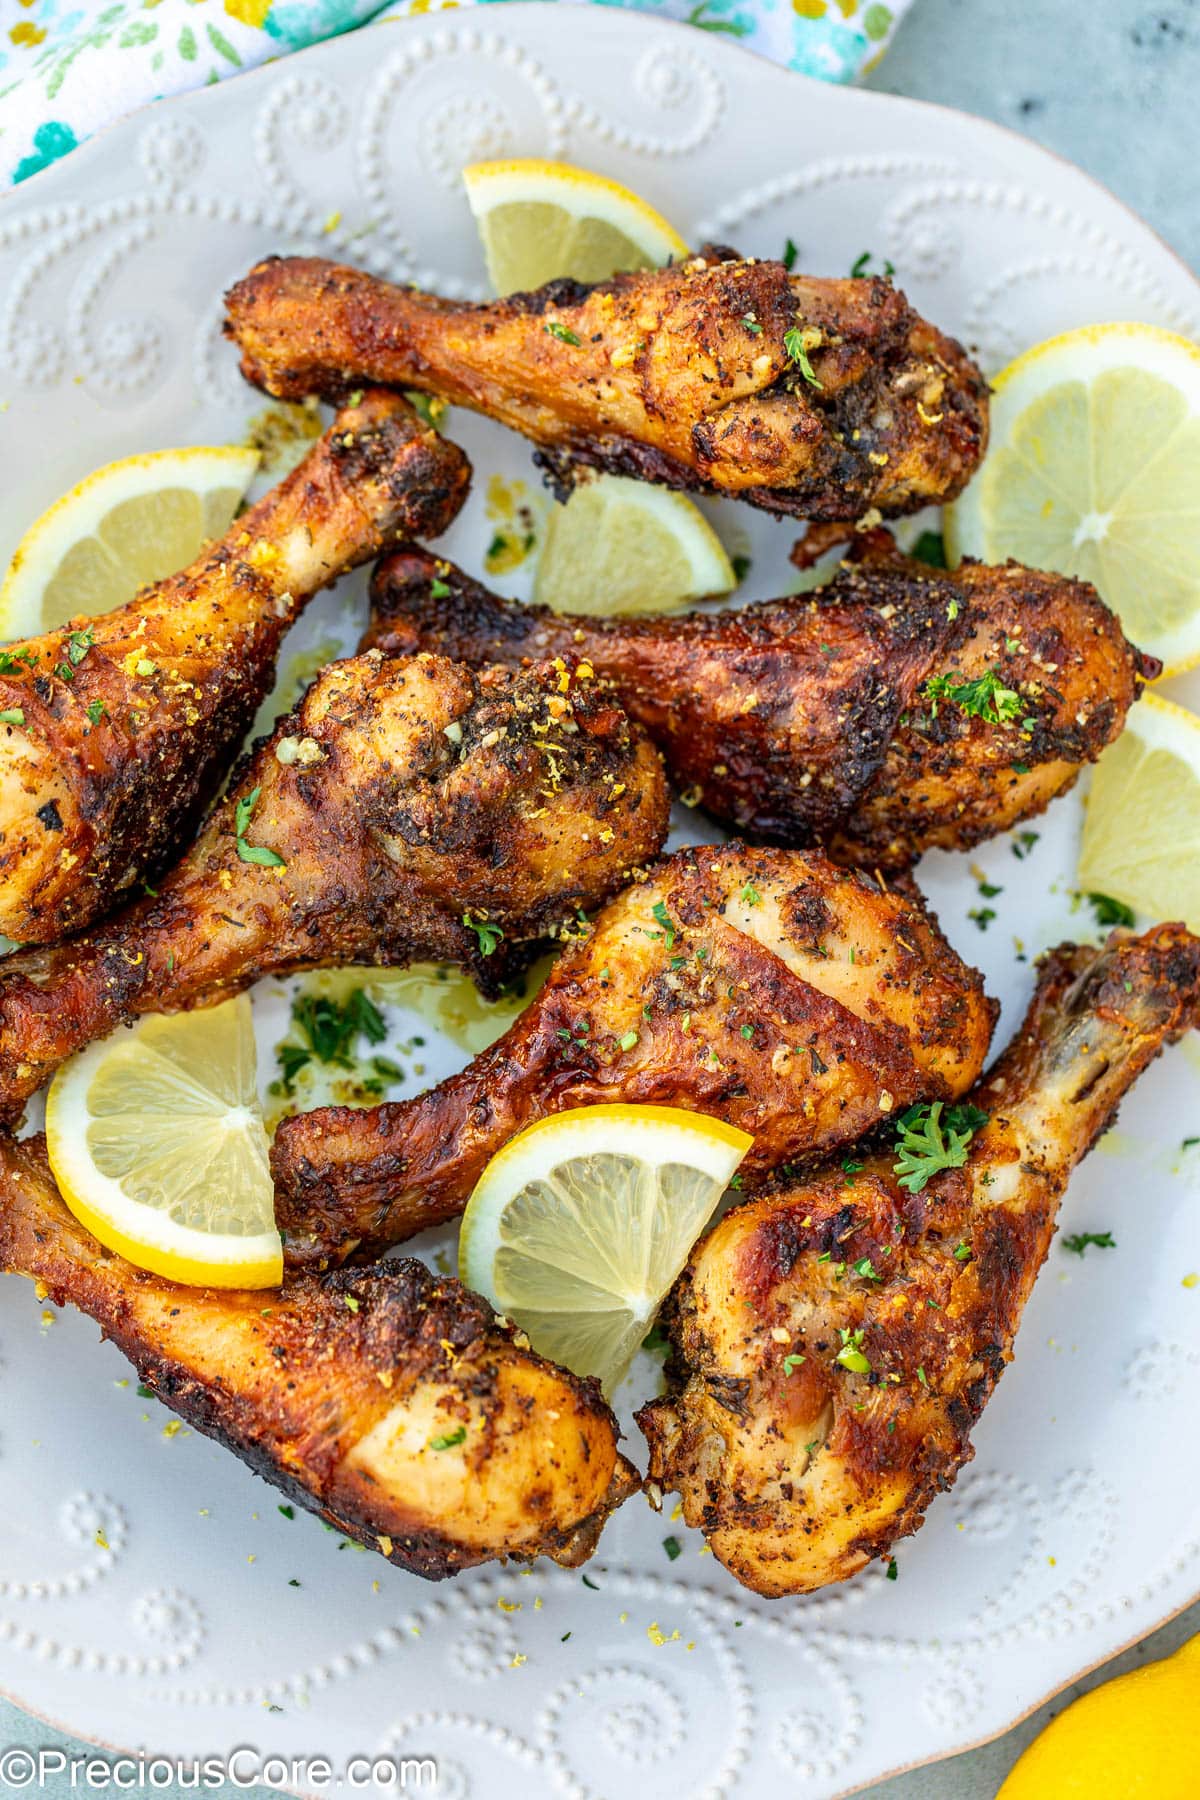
(405,810)
(391,1402)
(790,997)
(834,1342)
(121,728)
(818,717)
(816,398)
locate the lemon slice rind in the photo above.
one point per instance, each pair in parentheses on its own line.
(96,533)
(127,1112)
(620,546)
(578,1227)
(1141,832)
(1068,485)
(539,220)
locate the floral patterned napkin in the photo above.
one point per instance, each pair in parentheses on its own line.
(69,67)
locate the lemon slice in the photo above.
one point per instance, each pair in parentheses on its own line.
(129,523)
(1141,833)
(539,220)
(620,546)
(579,1226)
(1094,470)
(158,1146)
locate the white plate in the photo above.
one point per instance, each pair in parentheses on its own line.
(1077,1528)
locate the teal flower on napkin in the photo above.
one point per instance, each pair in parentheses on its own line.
(50,141)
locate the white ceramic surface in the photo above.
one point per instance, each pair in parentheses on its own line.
(1078,1525)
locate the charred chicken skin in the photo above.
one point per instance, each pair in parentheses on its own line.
(815,398)
(391,1402)
(795,999)
(120,729)
(852,716)
(835,1341)
(407,809)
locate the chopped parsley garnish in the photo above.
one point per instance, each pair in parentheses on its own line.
(438,588)
(9,660)
(988,889)
(793,343)
(627,1040)
(12,715)
(289,1512)
(740,566)
(1109,911)
(892,1570)
(663,917)
(982,915)
(983,697)
(96,711)
(1078,1241)
(252,853)
(930,548)
(859,266)
(924,1147)
(488,935)
(78,645)
(446,1440)
(866,1268)
(351,1302)
(850,1169)
(556,329)
(750,895)
(962,1253)
(851,1355)
(791,1363)
(790,253)
(747,1032)
(1025,840)
(328,1030)
(752,325)
(672,1547)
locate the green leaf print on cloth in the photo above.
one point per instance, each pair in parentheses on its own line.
(69,67)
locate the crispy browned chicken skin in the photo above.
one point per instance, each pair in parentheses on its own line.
(129,722)
(795,999)
(798,1468)
(401,804)
(391,1402)
(681,376)
(811,717)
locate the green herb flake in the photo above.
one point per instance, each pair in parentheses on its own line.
(1023,844)
(1079,1241)
(663,917)
(924,1148)
(892,1571)
(793,343)
(12,715)
(790,253)
(1109,911)
(627,1040)
(672,1547)
(852,1355)
(982,697)
(556,329)
(962,1252)
(439,589)
(488,935)
(447,1440)
(791,1363)
(289,1512)
(96,711)
(751,895)
(930,548)
(351,1303)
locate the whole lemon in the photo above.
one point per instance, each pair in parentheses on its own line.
(1135,1738)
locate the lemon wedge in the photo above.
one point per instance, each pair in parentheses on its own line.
(1141,833)
(538,220)
(620,546)
(1135,1738)
(129,523)
(158,1146)
(579,1226)
(1094,470)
